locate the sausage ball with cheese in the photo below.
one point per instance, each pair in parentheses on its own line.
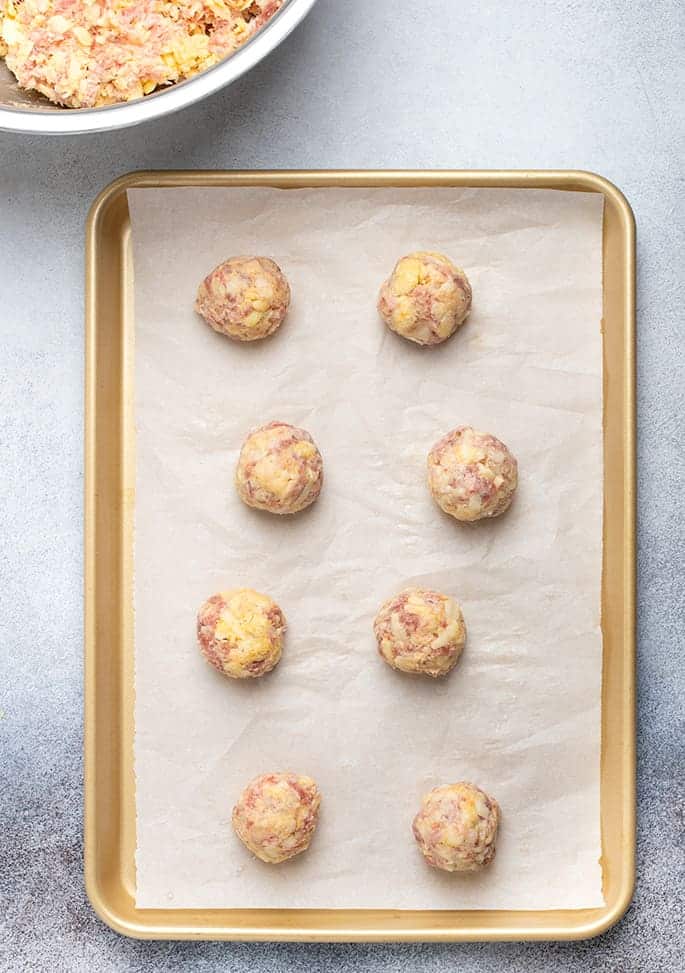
(456,827)
(420,631)
(241,633)
(246,298)
(426,298)
(279,469)
(276,816)
(472,475)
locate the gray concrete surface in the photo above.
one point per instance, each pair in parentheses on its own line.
(583,84)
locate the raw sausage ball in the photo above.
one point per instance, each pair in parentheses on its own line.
(241,633)
(456,827)
(276,816)
(426,298)
(420,631)
(471,474)
(246,298)
(279,469)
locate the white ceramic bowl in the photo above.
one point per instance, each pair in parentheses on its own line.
(22,111)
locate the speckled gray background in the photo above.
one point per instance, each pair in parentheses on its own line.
(393,83)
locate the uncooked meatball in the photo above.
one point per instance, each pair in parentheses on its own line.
(456,827)
(276,816)
(426,298)
(246,298)
(279,469)
(420,631)
(241,633)
(472,475)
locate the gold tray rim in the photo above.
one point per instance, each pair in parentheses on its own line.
(366,925)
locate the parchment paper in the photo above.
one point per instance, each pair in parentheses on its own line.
(520,715)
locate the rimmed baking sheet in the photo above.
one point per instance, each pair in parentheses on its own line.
(373,923)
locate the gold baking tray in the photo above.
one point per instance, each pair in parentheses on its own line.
(110,818)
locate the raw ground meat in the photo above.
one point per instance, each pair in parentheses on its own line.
(88,53)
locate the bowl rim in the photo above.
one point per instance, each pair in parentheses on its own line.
(75,121)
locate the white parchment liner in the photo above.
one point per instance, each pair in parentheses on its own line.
(520,715)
